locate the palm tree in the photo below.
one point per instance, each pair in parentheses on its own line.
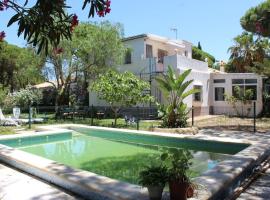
(246,51)
(175,89)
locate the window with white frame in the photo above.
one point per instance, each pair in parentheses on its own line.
(198,95)
(244,85)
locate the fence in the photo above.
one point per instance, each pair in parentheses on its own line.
(92,115)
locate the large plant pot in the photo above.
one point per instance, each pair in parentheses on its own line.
(178,190)
(155,192)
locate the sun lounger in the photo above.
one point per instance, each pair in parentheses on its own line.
(16,115)
(7,121)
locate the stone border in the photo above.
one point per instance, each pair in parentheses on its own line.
(190,131)
(217,182)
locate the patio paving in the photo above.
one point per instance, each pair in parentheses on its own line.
(258,190)
(17,185)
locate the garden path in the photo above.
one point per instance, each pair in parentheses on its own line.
(17,185)
(258,190)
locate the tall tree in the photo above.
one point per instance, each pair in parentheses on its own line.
(257,19)
(19,67)
(94,48)
(44,23)
(199,46)
(247,50)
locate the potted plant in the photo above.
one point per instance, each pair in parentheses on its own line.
(154,178)
(178,163)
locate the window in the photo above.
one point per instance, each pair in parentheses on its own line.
(237,94)
(250,81)
(219,94)
(149,51)
(219,80)
(237,81)
(198,96)
(186,53)
(253,89)
(244,85)
(128,56)
(161,55)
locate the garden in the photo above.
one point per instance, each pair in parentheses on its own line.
(49,82)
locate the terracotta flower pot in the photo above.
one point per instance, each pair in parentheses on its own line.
(178,190)
(190,191)
(155,192)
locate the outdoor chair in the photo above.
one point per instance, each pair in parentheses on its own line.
(130,120)
(7,121)
(16,115)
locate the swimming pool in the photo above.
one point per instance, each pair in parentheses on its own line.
(121,155)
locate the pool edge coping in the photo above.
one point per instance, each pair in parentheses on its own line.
(249,157)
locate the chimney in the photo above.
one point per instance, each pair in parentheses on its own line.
(222,66)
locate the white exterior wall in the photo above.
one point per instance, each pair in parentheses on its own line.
(138,49)
(200,76)
(171,49)
(221,107)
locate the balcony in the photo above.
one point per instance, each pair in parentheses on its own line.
(182,62)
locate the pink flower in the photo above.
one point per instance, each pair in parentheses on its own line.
(4,4)
(107,10)
(101,13)
(2,36)
(108,3)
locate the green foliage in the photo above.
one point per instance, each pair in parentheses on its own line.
(19,67)
(262,68)
(121,90)
(3,94)
(199,46)
(199,54)
(46,23)
(257,19)
(178,162)
(240,100)
(94,48)
(174,88)
(246,51)
(99,45)
(24,97)
(153,176)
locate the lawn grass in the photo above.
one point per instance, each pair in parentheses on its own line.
(219,123)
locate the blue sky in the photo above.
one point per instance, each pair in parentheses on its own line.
(212,22)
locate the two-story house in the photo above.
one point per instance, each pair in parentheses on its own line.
(149,55)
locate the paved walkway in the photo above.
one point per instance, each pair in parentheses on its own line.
(258,190)
(15,185)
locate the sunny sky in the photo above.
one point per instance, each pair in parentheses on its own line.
(212,22)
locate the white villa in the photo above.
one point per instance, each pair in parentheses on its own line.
(150,55)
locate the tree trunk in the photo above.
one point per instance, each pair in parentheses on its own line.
(115,118)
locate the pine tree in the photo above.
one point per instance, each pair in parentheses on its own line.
(199,46)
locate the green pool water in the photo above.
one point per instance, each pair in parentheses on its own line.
(110,156)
